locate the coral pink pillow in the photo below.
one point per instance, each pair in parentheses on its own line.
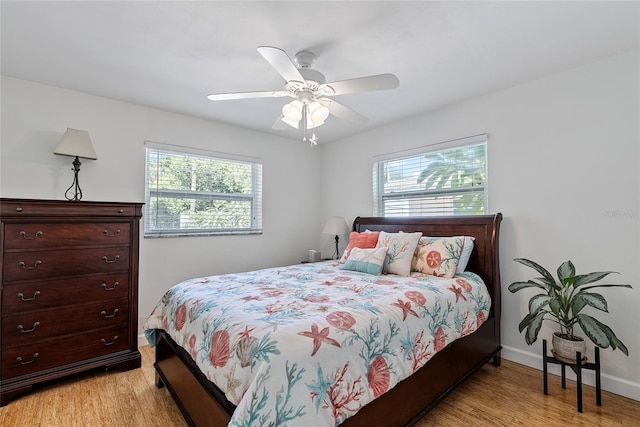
(366,240)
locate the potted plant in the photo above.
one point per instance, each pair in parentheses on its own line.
(563,302)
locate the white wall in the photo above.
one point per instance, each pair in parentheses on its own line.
(34,118)
(564,171)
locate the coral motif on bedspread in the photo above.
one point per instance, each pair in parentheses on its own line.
(311,344)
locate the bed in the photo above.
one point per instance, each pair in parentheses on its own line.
(400,382)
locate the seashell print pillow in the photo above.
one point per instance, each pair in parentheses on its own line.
(438,256)
(400,253)
(366,260)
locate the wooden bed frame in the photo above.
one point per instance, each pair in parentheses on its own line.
(203,404)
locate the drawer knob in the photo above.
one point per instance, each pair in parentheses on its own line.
(21,296)
(104,286)
(109,316)
(105,342)
(114,234)
(18,209)
(20,360)
(26,331)
(25,237)
(24,266)
(120,210)
(111,261)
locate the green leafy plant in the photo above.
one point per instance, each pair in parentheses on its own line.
(564,300)
(461,168)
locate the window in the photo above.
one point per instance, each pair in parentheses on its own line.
(448,180)
(191,192)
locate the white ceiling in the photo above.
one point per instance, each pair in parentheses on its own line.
(170,55)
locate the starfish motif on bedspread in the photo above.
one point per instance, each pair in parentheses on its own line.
(406,308)
(271,321)
(245,334)
(232,383)
(319,337)
(458,292)
(319,389)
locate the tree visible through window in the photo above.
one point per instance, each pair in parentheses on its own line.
(197,194)
(450,181)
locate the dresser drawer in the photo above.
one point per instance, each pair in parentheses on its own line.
(54,353)
(22,297)
(49,208)
(56,263)
(24,328)
(37,236)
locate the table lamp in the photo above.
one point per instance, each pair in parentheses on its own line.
(76,143)
(336,226)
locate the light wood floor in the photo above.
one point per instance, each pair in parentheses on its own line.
(510,395)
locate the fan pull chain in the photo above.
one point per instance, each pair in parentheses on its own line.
(304,122)
(313,141)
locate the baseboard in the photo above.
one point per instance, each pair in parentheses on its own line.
(610,383)
(142,340)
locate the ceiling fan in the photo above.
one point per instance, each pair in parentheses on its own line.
(312,102)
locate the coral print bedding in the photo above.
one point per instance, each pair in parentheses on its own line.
(311,344)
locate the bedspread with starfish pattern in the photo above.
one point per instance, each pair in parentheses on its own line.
(311,344)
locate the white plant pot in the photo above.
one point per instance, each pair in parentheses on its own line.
(565,350)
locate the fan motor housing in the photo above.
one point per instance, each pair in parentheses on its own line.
(304,59)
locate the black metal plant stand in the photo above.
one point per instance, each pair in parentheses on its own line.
(577,369)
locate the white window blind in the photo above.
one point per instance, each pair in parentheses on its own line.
(444,179)
(189,192)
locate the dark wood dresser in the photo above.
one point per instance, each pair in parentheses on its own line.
(68,290)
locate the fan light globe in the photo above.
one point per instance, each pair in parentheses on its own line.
(318,113)
(292,111)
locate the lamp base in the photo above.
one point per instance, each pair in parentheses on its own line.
(336,254)
(75,185)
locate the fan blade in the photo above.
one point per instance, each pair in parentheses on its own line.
(281,62)
(342,112)
(361,84)
(279,124)
(247,95)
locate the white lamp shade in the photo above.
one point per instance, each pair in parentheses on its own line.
(76,143)
(318,113)
(311,124)
(292,111)
(336,226)
(296,124)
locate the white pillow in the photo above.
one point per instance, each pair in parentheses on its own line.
(467,248)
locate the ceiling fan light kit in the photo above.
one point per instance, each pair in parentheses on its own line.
(311,103)
(314,112)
